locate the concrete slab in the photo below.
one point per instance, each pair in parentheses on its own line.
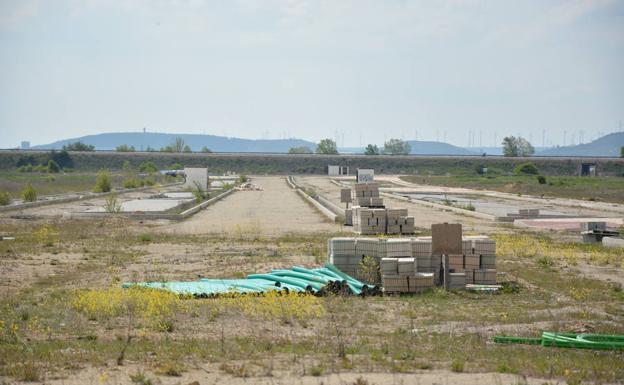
(567,223)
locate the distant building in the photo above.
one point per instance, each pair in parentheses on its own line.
(365,175)
(25,145)
(196,177)
(337,170)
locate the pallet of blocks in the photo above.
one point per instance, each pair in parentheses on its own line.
(342,254)
(398,275)
(369,221)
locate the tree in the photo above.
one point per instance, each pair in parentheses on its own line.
(519,146)
(62,158)
(78,146)
(178,145)
(147,167)
(53,167)
(103,182)
(126,166)
(300,150)
(125,148)
(527,168)
(205,149)
(622,152)
(371,149)
(187,148)
(397,147)
(326,147)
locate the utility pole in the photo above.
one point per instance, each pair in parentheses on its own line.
(543,138)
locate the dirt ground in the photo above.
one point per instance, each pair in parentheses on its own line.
(435,338)
(275,210)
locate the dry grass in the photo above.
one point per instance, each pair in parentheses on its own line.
(77,316)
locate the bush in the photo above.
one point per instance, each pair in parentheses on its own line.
(176,166)
(148,167)
(112,204)
(40,168)
(527,168)
(103,182)
(149,181)
(29,194)
(53,167)
(133,183)
(5,199)
(541,179)
(25,168)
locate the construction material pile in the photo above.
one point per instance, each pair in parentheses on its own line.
(368,215)
(410,265)
(319,281)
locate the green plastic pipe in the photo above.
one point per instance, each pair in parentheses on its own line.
(569,340)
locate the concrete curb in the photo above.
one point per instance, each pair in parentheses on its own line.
(154,216)
(90,195)
(324,210)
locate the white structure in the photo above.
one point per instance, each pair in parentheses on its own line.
(196,174)
(337,170)
(365,175)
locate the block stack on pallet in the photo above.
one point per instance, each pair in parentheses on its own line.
(411,265)
(368,215)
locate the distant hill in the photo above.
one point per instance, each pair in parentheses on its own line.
(419,148)
(141,140)
(608,145)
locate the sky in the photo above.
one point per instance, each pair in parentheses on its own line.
(360,71)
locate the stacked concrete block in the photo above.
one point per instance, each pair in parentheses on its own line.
(457,281)
(420,282)
(345,195)
(528,212)
(456,263)
(405,266)
(342,254)
(485,276)
(367,247)
(398,247)
(471,263)
(484,246)
(394,283)
(389,266)
(349,217)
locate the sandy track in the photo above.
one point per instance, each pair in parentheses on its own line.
(274,211)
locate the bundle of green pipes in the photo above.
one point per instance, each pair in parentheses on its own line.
(320,281)
(569,340)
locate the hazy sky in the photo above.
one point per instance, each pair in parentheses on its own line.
(357,70)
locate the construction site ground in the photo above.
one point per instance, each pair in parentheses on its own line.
(51,333)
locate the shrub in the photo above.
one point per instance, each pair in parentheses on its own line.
(103,182)
(53,167)
(25,168)
(112,204)
(541,179)
(5,199)
(527,168)
(133,183)
(149,181)
(29,194)
(148,167)
(176,166)
(457,366)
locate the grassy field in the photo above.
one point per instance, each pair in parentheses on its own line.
(607,189)
(68,317)
(14,182)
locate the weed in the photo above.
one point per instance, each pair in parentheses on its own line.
(316,371)
(112,204)
(103,182)
(145,238)
(140,378)
(5,199)
(457,366)
(29,194)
